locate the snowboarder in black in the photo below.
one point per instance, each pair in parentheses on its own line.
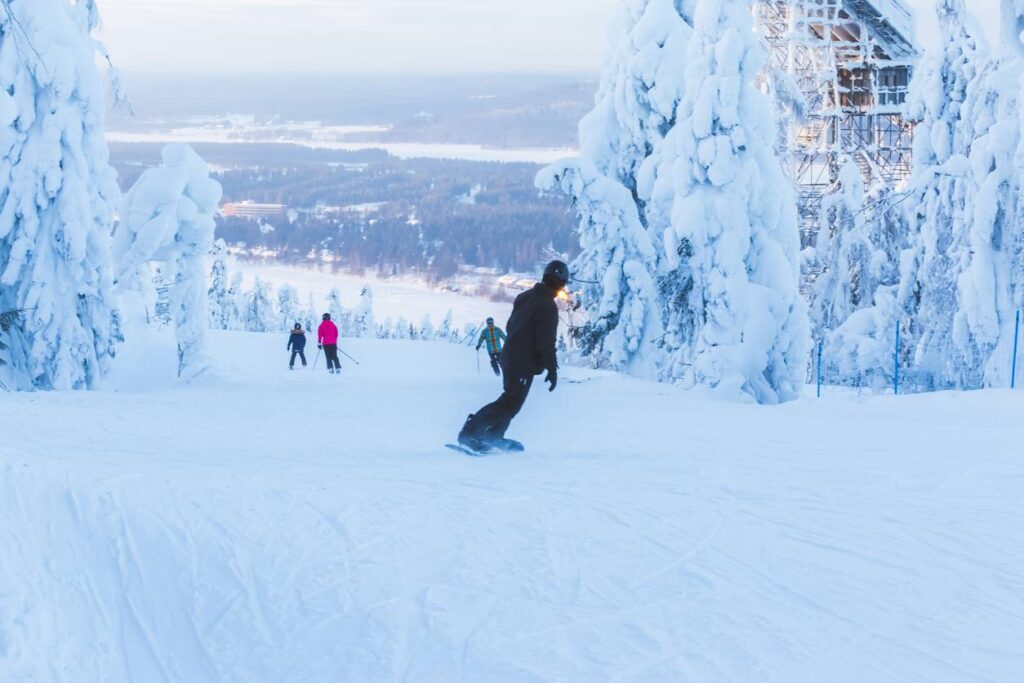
(297,345)
(529,351)
(494,338)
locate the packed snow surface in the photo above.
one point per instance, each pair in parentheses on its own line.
(269,525)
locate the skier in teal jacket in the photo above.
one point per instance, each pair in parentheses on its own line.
(494,338)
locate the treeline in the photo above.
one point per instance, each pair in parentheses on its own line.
(260,308)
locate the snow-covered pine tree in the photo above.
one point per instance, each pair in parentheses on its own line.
(860,241)
(447,329)
(426,331)
(334,306)
(59,194)
(635,106)
(311,316)
(940,184)
(403,329)
(736,322)
(363,324)
(837,291)
(168,217)
(219,292)
(9,320)
(260,315)
(287,307)
(841,254)
(990,283)
(239,303)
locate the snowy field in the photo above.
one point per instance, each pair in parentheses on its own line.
(393,297)
(276,526)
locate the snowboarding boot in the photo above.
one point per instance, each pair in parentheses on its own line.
(507,445)
(470,439)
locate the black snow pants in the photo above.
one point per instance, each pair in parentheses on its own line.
(493,420)
(331,353)
(301,354)
(495,358)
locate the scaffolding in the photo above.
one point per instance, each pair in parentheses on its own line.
(849,62)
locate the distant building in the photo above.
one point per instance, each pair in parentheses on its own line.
(253,210)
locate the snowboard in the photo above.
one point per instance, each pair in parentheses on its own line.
(510,447)
(466,451)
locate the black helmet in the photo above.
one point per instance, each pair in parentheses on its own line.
(556,274)
(490,321)
(327,316)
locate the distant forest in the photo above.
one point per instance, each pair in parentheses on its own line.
(434,215)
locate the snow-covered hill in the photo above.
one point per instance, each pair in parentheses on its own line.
(268,525)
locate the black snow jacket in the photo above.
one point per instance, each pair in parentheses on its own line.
(532,329)
(297,342)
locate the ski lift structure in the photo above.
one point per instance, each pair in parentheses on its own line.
(845,65)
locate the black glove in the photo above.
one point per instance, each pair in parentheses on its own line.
(320,346)
(552,379)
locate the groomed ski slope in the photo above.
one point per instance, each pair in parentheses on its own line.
(275,526)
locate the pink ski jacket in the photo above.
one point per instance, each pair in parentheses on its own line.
(327,333)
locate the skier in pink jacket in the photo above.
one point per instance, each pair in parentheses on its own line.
(327,339)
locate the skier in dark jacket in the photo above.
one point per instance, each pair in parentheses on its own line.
(297,345)
(494,338)
(529,351)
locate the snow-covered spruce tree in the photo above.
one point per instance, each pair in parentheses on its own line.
(288,308)
(260,315)
(989,284)
(239,303)
(59,194)
(735,321)
(9,320)
(841,254)
(220,292)
(310,316)
(334,306)
(362,318)
(447,330)
(635,106)
(426,331)
(168,217)
(941,183)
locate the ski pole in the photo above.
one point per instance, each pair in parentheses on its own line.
(472,335)
(313,367)
(348,356)
(478,360)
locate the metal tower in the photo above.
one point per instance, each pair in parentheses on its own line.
(850,62)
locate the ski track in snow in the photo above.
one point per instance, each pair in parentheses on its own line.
(263,525)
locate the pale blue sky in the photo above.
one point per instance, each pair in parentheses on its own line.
(363,36)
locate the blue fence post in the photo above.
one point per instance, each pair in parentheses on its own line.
(820,345)
(1016,339)
(896,363)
